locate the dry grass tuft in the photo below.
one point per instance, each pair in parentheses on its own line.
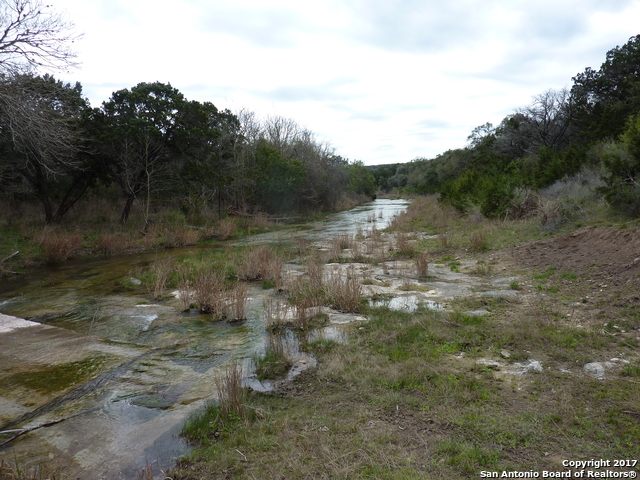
(276,360)
(446,239)
(231,393)
(422,265)
(478,242)
(314,270)
(237,303)
(301,244)
(185,289)
(260,263)
(344,292)
(208,293)
(404,246)
(258,220)
(225,228)
(180,235)
(277,312)
(13,471)
(112,243)
(161,270)
(58,247)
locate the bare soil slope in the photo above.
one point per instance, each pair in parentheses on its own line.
(605,254)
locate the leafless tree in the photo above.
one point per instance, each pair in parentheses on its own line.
(37,118)
(281,132)
(33,35)
(550,118)
(39,126)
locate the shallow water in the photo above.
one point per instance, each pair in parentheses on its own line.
(127,370)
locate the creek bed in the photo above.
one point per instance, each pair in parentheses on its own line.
(125,371)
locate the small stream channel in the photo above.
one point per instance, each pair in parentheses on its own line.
(126,371)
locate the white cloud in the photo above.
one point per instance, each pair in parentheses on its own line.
(381,81)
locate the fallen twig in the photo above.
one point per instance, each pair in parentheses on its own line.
(10,256)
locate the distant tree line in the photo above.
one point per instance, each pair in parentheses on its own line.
(596,121)
(148,143)
(156,147)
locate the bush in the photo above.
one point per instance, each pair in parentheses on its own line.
(622,162)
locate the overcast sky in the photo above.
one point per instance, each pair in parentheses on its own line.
(382,81)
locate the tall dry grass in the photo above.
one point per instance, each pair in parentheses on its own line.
(422,264)
(315,271)
(277,312)
(225,228)
(59,246)
(185,289)
(260,263)
(15,471)
(237,303)
(231,394)
(161,270)
(208,293)
(305,309)
(260,220)
(446,239)
(181,235)
(438,215)
(277,358)
(478,242)
(404,246)
(112,243)
(300,244)
(344,292)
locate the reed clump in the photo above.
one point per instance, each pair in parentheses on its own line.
(478,242)
(237,303)
(112,243)
(277,313)
(225,229)
(231,394)
(59,246)
(208,293)
(344,292)
(15,471)
(181,235)
(446,239)
(161,270)
(404,246)
(422,264)
(185,288)
(211,295)
(260,263)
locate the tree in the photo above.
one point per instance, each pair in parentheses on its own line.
(207,140)
(361,180)
(550,120)
(607,97)
(34,36)
(622,163)
(40,121)
(481,135)
(142,127)
(277,178)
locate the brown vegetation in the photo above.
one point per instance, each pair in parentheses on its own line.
(59,246)
(231,393)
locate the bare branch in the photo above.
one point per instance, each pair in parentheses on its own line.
(33,36)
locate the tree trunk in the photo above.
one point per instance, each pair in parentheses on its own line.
(127,209)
